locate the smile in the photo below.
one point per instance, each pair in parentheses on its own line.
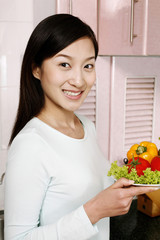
(72,93)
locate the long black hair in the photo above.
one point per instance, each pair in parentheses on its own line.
(50,36)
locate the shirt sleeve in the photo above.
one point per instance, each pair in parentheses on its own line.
(26,184)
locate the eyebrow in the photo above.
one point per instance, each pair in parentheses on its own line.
(67,56)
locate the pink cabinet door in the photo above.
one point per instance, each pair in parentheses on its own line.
(119,22)
(103,66)
(85,10)
(153,26)
(135,111)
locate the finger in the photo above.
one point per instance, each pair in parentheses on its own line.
(122,182)
(135,191)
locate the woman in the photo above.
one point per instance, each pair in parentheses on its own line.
(55,170)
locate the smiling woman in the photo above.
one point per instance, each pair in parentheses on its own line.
(55,174)
(49,38)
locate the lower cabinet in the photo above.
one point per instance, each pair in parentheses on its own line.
(128,103)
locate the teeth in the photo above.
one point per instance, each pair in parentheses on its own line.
(72,93)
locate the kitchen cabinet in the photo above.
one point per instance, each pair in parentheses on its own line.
(129,27)
(103,89)
(122,27)
(153,33)
(134,104)
(127,105)
(85,10)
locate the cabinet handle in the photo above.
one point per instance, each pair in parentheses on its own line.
(70,6)
(132,35)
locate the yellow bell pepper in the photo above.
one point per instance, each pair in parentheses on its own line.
(145,150)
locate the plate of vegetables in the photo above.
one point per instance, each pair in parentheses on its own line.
(141,165)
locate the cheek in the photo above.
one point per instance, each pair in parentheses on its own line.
(49,79)
(91,80)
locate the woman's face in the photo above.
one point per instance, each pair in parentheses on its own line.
(67,77)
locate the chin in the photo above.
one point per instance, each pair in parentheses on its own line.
(72,109)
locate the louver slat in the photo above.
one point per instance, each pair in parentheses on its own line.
(139,110)
(88,108)
(139,107)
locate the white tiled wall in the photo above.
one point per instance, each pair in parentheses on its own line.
(17,20)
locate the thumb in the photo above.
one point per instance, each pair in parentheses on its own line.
(122,182)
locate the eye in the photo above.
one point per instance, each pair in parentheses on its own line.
(65,65)
(89,66)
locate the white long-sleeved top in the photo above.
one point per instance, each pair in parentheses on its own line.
(49,176)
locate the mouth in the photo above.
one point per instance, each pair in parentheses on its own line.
(72,94)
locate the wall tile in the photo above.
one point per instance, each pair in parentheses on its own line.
(13,40)
(8,107)
(1,197)
(10,65)
(16,10)
(14,36)
(3,154)
(43,9)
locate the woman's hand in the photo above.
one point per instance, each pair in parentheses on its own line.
(115,200)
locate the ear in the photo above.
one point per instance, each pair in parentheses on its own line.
(36,71)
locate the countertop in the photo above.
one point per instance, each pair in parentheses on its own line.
(135,225)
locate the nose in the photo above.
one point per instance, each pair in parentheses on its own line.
(77,78)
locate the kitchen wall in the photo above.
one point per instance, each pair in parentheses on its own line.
(17,20)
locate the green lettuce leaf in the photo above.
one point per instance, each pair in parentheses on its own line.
(149,177)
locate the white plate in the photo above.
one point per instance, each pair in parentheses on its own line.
(146,185)
(142,185)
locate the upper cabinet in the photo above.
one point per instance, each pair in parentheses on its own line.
(129,27)
(123,27)
(86,10)
(153,23)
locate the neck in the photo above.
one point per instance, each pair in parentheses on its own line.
(57,117)
(66,122)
